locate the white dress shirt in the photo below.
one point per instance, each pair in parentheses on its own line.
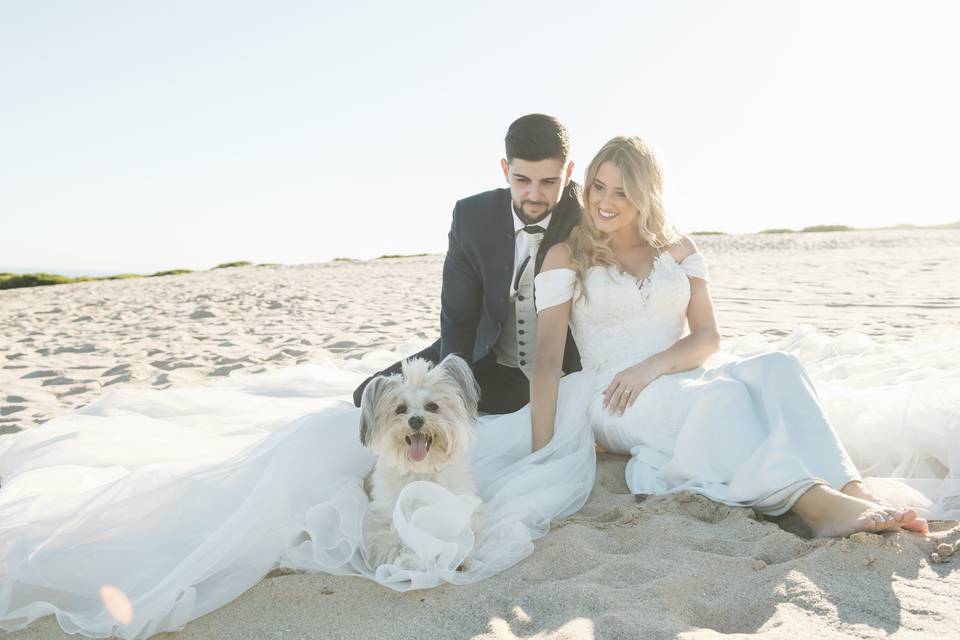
(521,246)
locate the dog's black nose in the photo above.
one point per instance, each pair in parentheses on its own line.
(415,422)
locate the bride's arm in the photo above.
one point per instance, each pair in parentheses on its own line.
(548,362)
(687,353)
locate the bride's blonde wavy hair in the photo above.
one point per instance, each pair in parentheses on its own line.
(642,180)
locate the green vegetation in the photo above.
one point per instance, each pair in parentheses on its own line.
(171,272)
(120,276)
(709,233)
(19,280)
(405,255)
(778,231)
(827,227)
(268,264)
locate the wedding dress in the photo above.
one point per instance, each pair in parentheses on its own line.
(173,503)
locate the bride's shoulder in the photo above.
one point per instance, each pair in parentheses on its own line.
(682,249)
(558,257)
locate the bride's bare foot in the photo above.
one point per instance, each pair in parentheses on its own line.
(857,489)
(830,513)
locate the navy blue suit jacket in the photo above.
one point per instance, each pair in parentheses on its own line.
(478,269)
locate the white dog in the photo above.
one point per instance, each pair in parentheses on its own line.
(421,425)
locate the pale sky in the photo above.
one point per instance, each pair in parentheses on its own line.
(139,136)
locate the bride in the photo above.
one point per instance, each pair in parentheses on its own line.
(148,509)
(748,434)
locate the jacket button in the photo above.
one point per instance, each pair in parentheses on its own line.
(522,353)
(523,362)
(520,331)
(521,344)
(519,321)
(519,297)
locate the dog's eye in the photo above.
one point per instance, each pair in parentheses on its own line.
(402,408)
(431,407)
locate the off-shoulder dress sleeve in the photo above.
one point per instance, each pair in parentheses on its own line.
(553,287)
(695,266)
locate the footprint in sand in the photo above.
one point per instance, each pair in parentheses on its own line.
(120,368)
(11,409)
(703,509)
(83,348)
(59,380)
(46,373)
(72,392)
(225,371)
(171,364)
(126,377)
(342,344)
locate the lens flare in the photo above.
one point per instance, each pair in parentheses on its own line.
(117,604)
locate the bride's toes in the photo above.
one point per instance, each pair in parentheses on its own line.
(885,519)
(879,520)
(911,522)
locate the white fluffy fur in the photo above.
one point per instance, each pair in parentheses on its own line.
(445,397)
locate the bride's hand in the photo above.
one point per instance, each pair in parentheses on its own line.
(626,386)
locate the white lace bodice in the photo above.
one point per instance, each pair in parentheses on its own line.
(622,320)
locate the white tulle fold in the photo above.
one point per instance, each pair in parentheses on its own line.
(895,406)
(183,499)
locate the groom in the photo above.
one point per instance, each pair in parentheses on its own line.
(497,243)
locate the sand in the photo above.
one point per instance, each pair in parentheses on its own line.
(667,567)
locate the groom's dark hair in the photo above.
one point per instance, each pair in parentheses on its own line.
(537,137)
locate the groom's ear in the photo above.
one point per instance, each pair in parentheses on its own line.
(568,174)
(506,169)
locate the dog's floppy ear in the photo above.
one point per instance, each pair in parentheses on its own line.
(460,373)
(368,405)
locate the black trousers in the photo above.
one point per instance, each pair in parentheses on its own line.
(502,389)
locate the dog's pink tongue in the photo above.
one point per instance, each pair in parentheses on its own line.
(418,447)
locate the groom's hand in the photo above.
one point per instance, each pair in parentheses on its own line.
(626,386)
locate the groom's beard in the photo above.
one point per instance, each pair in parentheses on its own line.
(526,218)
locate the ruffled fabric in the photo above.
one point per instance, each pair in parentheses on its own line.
(553,287)
(181,500)
(556,286)
(695,266)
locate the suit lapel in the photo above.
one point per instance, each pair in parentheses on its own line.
(504,243)
(565,216)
